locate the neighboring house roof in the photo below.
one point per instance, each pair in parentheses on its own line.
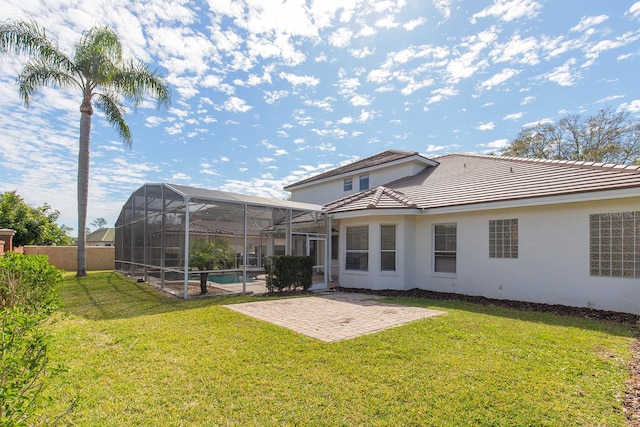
(465,179)
(384,158)
(102,235)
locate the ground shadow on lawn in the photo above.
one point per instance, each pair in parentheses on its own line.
(111,295)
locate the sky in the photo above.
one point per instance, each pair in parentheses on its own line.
(269,92)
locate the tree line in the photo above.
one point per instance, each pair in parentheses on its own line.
(608,136)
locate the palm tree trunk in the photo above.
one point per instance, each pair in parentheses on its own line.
(86,111)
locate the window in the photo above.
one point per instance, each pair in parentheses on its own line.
(364,182)
(614,244)
(388,247)
(348,184)
(503,238)
(444,252)
(357,248)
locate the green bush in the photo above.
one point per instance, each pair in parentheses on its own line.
(27,299)
(288,273)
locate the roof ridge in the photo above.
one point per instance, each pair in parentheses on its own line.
(566,162)
(394,194)
(351,198)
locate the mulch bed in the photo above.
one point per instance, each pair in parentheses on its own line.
(632,394)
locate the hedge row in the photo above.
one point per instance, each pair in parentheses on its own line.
(287,273)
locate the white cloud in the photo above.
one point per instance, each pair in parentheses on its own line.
(513,116)
(486,126)
(341,37)
(360,100)
(588,22)
(299,80)
(271,97)
(527,100)
(325,104)
(498,79)
(509,10)
(414,23)
(563,75)
(442,94)
(632,107)
(236,105)
(179,176)
(608,99)
(634,10)
(386,22)
(498,143)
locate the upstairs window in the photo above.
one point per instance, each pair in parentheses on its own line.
(348,184)
(364,182)
(503,238)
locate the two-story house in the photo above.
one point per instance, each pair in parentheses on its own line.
(558,232)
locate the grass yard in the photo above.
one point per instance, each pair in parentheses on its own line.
(136,357)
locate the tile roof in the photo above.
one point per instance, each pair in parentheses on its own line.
(102,235)
(464,179)
(375,160)
(374,198)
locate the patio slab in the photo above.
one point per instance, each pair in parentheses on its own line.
(334,316)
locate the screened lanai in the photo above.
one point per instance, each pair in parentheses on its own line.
(161,225)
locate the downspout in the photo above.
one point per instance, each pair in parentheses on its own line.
(244,260)
(328,255)
(186,248)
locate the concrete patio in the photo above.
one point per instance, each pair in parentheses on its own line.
(333,316)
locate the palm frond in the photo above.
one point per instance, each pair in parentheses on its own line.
(27,37)
(111,106)
(38,73)
(135,80)
(99,54)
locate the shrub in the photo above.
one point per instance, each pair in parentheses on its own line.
(27,299)
(288,272)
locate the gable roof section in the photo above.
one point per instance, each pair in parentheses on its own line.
(374,198)
(466,179)
(386,157)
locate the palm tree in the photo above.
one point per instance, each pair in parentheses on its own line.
(98,70)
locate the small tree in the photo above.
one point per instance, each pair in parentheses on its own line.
(99,223)
(209,255)
(33,226)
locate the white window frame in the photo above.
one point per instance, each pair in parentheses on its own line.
(503,238)
(364,178)
(614,245)
(347,184)
(361,250)
(447,251)
(384,250)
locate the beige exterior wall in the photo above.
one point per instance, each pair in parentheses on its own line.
(65,257)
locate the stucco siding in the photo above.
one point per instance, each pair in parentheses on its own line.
(333,189)
(553,258)
(374,278)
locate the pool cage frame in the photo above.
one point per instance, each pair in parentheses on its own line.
(159,223)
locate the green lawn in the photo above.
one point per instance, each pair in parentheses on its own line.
(136,357)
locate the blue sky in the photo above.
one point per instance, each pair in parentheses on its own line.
(268,92)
